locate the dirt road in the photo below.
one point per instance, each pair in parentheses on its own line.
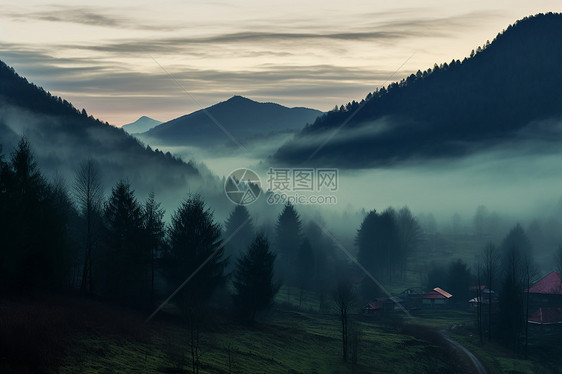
(478,366)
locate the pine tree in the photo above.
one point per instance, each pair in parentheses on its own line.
(378,242)
(127,256)
(34,251)
(195,252)
(255,288)
(287,243)
(517,263)
(239,228)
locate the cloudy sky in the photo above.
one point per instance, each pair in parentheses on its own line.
(122,59)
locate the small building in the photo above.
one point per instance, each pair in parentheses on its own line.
(437,296)
(379,307)
(546,316)
(484,298)
(545,300)
(547,291)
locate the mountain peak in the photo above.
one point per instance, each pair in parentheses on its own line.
(142,124)
(242,117)
(237,99)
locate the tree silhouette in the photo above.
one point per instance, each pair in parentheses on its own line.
(126,260)
(89,193)
(287,242)
(379,244)
(516,262)
(194,250)
(458,281)
(240,229)
(35,252)
(154,231)
(344,300)
(409,232)
(490,274)
(253,280)
(436,277)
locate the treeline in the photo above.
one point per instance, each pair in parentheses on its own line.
(385,241)
(120,249)
(509,269)
(53,240)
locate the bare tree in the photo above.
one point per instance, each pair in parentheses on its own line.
(479,300)
(195,321)
(530,276)
(88,191)
(344,298)
(155,231)
(518,269)
(491,262)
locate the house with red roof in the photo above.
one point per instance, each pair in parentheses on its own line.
(437,296)
(545,300)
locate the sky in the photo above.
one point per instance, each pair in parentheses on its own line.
(122,59)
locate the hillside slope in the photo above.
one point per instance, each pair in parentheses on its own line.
(63,137)
(450,110)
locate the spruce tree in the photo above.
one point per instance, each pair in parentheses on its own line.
(125,264)
(239,228)
(194,254)
(288,240)
(253,280)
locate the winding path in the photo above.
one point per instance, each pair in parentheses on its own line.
(478,366)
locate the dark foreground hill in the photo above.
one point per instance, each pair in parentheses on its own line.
(504,92)
(240,117)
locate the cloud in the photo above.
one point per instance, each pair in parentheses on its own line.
(285,32)
(91,16)
(99,76)
(303,61)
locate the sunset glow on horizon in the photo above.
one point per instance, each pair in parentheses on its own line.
(166,59)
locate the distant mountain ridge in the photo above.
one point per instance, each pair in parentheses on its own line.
(450,110)
(142,124)
(239,116)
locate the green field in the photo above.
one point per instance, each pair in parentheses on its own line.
(286,342)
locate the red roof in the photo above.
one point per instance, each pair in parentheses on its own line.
(549,284)
(546,316)
(377,304)
(437,293)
